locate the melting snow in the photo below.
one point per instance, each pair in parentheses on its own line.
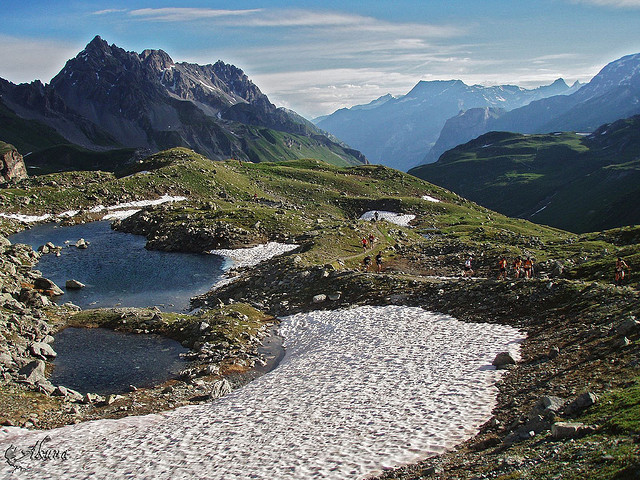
(249,257)
(358,390)
(429,198)
(392,217)
(98,208)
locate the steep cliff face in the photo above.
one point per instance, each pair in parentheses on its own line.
(11,164)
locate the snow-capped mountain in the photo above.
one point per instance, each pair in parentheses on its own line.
(399,131)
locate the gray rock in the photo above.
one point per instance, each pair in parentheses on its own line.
(319,298)
(45,386)
(553,352)
(581,402)
(551,403)
(33,372)
(627,326)
(7,301)
(5,359)
(74,284)
(220,389)
(4,241)
(42,350)
(68,393)
(335,296)
(92,398)
(82,244)
(48,286)
(563,430)
(503,359)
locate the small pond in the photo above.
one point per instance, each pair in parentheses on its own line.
(102,361)
(118,271)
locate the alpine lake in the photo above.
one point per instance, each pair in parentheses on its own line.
(117,271)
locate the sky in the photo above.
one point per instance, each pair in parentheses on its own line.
(318,56)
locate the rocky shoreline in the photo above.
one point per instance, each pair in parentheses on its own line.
(222,355)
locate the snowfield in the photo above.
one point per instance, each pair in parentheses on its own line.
(357,391)
(392,217)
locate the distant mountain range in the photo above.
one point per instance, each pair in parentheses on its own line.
(614,93)
(576,182)
(399,132)
(107,98)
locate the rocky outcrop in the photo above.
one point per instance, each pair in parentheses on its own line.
(12,167)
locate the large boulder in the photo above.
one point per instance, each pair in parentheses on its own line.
(12,165)
(74,284)
(42,350)
(503,359)
(33,372)
(564,430)
(49,287)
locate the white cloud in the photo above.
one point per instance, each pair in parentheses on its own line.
(26,59)
(290,18)
(109,11)
(180,14)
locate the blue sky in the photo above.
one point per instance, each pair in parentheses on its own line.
(318,56)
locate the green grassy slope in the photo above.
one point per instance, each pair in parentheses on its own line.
(565,180)
(297,197)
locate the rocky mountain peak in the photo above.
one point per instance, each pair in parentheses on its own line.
(622,72)
(97,44)
(158,60)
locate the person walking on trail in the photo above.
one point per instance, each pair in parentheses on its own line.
(527,266)
(621,266)
(376,215)
(468,270)
(372,239)
(502,264)
(379,262)
(366,263)
(364,244)
(517,267)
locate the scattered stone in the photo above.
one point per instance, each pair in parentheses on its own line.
(5,359)
(220,389)
(33,372)
(49,287)
(553,352)
(46,387)
(74,285)
(82,244)
(623,342)
(627,326)
(503,359)
(564,430)
(552,403)
(42,350)
(92,398)
(581,402)
(319,298)
(110,399)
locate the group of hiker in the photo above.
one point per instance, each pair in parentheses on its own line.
(524,268)
(367,243)
(521,268)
